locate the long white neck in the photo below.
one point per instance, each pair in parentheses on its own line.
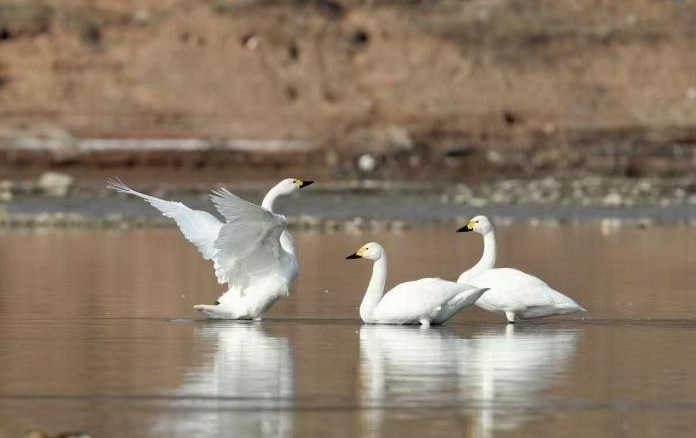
(270,198)
(375,289)
(487,260)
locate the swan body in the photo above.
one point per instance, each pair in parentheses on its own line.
(252,251)
(525,296)
(414,302)
(513,293)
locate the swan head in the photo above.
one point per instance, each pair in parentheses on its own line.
(478,224)
(289,185)
(370,251)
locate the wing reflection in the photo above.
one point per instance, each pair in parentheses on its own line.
(251,372)
(487,372)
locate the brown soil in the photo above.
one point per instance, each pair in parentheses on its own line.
(429,88)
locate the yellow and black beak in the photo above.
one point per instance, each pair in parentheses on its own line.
(303,183)
(354,256)
(466,228)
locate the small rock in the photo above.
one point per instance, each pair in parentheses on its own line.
(400,137)
(366,163)
(332,225)
(331,158)
(501,198)
(612,200)
(478,202)
(5,191)
(354,225)
(251,42)
(142,16)
(55,184)
(609,225)
(310,222)
(494,157)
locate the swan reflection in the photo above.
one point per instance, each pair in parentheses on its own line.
(251,373)
(485,372)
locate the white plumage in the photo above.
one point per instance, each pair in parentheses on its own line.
(414,302)
(252,252)
(522,294)
(247,247)
(512,293)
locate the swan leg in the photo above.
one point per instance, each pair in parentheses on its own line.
(510,317)
(425,323)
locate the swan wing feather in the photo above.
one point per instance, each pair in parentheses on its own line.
(198,227)
(413,300)
(514,289)
(248,245)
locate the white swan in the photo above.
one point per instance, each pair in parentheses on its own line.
(512,293)
(421,301)
(252,251)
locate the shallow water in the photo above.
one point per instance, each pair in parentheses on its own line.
(97,334)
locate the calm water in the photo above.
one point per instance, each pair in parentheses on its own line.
(97,334)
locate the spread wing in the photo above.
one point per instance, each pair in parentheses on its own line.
(199,227)
(248,245)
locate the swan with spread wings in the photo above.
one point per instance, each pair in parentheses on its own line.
(252,251)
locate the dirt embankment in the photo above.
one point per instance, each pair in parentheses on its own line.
(435,89)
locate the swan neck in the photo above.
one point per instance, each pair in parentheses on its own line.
(375,290)
(487,260)
(270,198)
(489,251)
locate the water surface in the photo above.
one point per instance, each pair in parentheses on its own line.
(97,334)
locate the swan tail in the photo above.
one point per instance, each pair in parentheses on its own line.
(469,297)
(563,309)
(220,311)
(212,311)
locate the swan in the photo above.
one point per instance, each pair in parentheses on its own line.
(251,251)
(421,301)
(513,293)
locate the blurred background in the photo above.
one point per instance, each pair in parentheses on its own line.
(571,123)
(522,102)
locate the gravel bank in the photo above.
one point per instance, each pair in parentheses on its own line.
(378,205)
